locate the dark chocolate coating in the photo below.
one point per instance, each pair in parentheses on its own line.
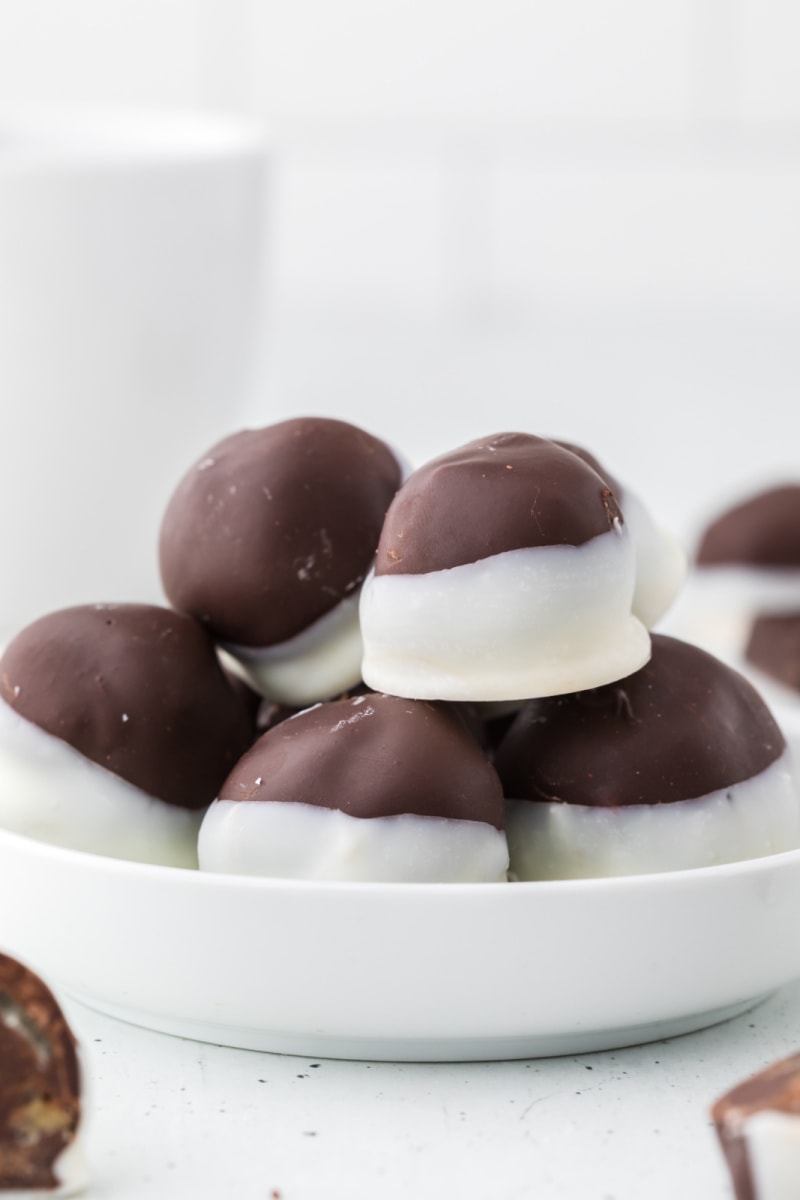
(372,756)
(506,492)
(271,714)
(775,1089)
(273,527)
(251,699)
(469,715)
(595,464)
(135,688)
(683,726)
(762,531)
(774,647)
(496,730)
(40,1085)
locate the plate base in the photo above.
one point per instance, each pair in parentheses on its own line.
(479,1049)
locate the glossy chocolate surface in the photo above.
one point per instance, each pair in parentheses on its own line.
(775,1089)
(39,1081)
(510,491)
(270,713)
(135,688)
(683,726)
(372,756)
(595,464)
(762,531)
(273,527)
(774,647)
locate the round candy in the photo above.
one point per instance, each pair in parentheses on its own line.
(267,541)
(372,788)
(117,726)
(747,562)
(679,765)
(761,531)
(504,571)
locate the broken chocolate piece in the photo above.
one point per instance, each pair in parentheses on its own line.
(758,1125)
(40,1087)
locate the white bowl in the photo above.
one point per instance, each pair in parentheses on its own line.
(403,971)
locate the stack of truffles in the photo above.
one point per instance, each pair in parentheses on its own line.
(371,675)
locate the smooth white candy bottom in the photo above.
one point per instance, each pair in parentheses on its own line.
(532,622)
(661,563)
(303,841)
(322,661)
(758,817)
(773,1151)
(52,792)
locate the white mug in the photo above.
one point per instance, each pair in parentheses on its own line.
(131,254)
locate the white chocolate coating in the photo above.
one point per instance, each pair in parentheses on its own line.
(304,841)
(318,663)
(718,604)
(532,622)
(661,562)
(757,817)
(52,792)
(763,588)
(773,1151)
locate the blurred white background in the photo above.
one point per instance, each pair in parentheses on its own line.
(579,218)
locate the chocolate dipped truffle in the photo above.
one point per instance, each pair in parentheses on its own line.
(758,1126)
(747,561)
(661,561)
(679,765)
(267,541)
(41,1150)
(773,647)
(760,531)
(374,788)
(117,727)
(504,570)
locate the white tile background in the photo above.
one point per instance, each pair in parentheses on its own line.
(466,194)
(507,152)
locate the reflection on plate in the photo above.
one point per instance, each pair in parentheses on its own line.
(403,971)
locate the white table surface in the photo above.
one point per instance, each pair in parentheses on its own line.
(173,1118)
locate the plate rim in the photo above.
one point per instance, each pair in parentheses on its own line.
(106,864)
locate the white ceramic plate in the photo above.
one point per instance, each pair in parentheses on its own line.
(403,971)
